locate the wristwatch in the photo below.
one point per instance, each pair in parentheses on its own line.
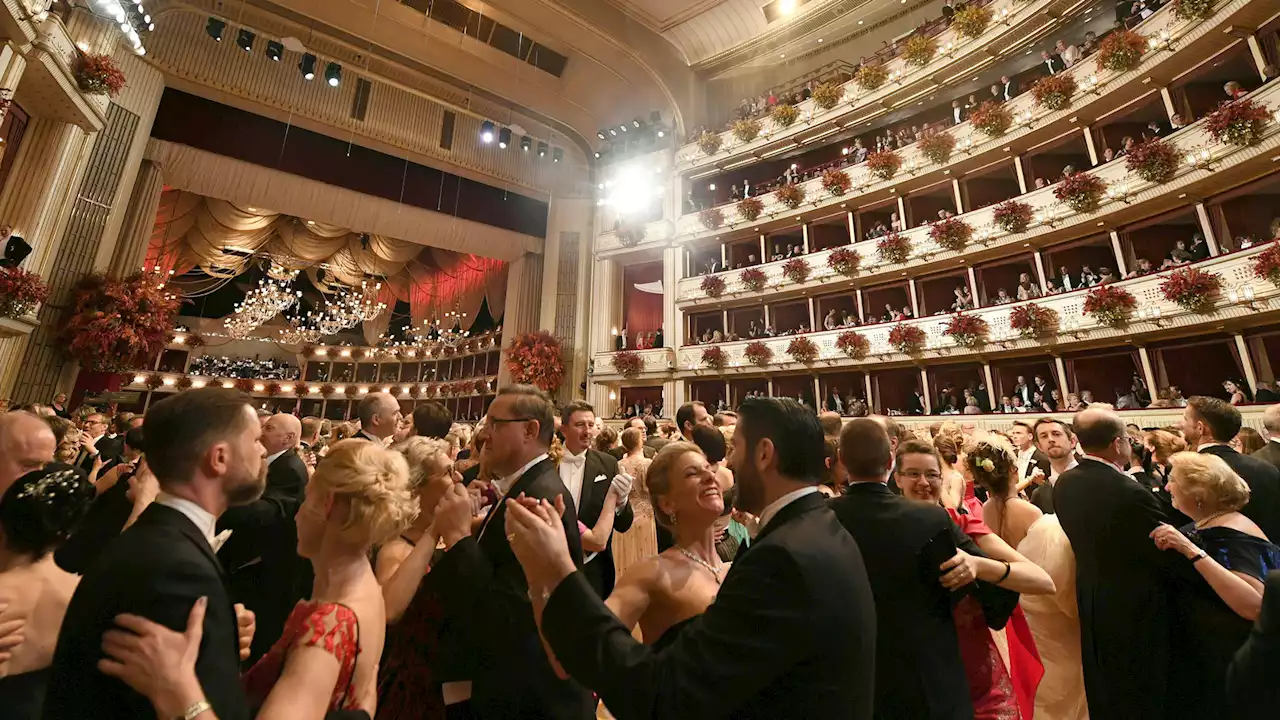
(1200,557)
(195,710)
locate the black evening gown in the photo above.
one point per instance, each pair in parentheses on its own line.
(22,696)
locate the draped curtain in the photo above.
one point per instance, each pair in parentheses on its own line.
(641,310)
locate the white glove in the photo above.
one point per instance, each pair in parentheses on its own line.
(622,486)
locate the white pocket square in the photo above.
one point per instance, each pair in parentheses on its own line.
(600,478)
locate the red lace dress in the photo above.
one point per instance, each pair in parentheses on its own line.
(331,626)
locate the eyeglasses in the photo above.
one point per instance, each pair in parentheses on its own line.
(916,475)
(493,419)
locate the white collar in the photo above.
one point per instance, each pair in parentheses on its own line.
(272,457)
(1202,446)
(1274,439)
(767,514)
(204,520)
(1027,453)
(504,484)
(1053,476)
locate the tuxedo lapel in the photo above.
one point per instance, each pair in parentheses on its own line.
(590,503)
(167,516)
(497,514)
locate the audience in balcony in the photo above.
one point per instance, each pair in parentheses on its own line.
(254,369)
(1052,62)
(1002,297)
(1027,290)
(1238,391)
(964,299)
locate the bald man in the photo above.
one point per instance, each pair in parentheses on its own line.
(261,556)
(26,444)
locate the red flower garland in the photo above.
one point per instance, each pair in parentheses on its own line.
(836,182)
(844,261)
(1054,92)
(20,292)
(750,208)
(535,359)
(245,385)
(1192,289)
(351,391)
(711,218)
(154,381)
(298,389)
(1266,264)
(894,248)
(326,390)
(1121,51)
(183,383)
(992,118)
(1110,305)
(1155,160)
(884,164)
(796,270)
(791,195)
(272,389)
(937,147)
(1034,321)
(415,390)
(802,349)
(968,331)
(714,357)
(907,339)
(1012,216)
(117,325)
(1081,191)
(853,344)
(628,363)
(753,279)
(1238,122)
(757,353)
(712,285)
(951,234)
(98,75)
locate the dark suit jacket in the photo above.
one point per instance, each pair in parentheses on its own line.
(106,518)
(261,556)
(657,442)
(790,635)
(1251,678)
(1039,460)
(482,586)
(1263,480)
(1270,453)
(157,568)
(1122,590)
(1042,497)
(919,671)
(110,448)
(600,570)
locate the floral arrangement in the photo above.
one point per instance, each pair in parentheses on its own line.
(20,292)
(709,142)
(992,118)
(350,390)
(627,363)
(714,357)
(785,115)
(951,234)
(97,74)
(415,390)
(1154,160)
(1110,305)
(796,270)
(711,218)
(272,389)
(757,353)
(1053,92)
(431,390)
(753,279)
(870,76)
(535,359)
(308,351)
(1034,321)
(712,285)
(894,248)
(969,331)
(1266,264)
(1081,191)
(1121,51)
(853,344)
(836,182)
(183,383)
(884,164)
(481,386)
(907,339)
(1192,9)
(630,233)
(1012,216)
(750,208)
(844,261)
(154,381)
(195,342)
(802,349)
(298,389)
(918,50)
(746,130)
(972,21)
(937,147)
(326,390)
(358,354)
(116,325)
(1192,289)
(828,95)
(1238,122)
(790,195)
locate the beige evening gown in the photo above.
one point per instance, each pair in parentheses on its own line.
(641,541)
(1055,623)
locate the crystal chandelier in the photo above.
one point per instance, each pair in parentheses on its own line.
(272,297)
(351,306)
(301,331)
(445,331)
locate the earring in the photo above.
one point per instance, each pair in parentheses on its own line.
(672,518)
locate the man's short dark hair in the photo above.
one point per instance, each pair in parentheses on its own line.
(1222,418)
(831,422)
(120,423)
(181,428)
(575,406)
(650,425)
(864,449)
(1066,426)
(686,414)
(711,441)
(367,408)
(793,428)
(532,403)
(135,439)
(1097,429)
(1023,425)
(432,419)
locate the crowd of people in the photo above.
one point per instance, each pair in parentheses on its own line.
(769,562)
(255,368)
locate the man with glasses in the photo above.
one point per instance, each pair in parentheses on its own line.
(92,428)
(482,586)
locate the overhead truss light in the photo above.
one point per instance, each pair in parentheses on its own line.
(487,132)
(307,65)
(333,74)
(244,40)
(526,143)
(542,149)
(275,50)
(215,27)
(600,134)
(557,155)
(504,138)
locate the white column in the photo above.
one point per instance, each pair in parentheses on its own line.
(1147,372)
(1022,175)
(955,189)
(862,314)
(1061,367)
(902,212)
(973,285)
(1206,227)
(671,335)
(915,302)
(924,390)
(1044,279)
(1088,143)
(1250,375)
(804,231)
(866,386)
(991,386)
(1259,60)
(522,307)
(853,227)
(764,256)
(817,394)
(813,324)
(140,218)
(1121,270)
(1167,98)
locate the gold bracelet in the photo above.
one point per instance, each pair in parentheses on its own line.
(195,710)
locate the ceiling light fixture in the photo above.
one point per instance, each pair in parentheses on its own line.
(275,50)
(504,138)
(214,27)
(786,7)
(542,149)
(486,132)
(244,40)
(307,65)
(526,142)
(557,155)
(333,74)
(600,134)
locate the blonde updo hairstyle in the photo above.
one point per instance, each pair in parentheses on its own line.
(1209,481)
(373,484)
(427,458)
(948,440)
(658,477)
(991,461)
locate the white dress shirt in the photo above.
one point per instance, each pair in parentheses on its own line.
(274,456)
(1054,474)
(772,509)
(203,519)
(1024,461)
(503,486)
(572,468)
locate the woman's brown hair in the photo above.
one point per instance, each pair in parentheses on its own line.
(658,477)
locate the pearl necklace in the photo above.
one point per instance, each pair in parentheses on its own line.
(715,571)
(1200,524)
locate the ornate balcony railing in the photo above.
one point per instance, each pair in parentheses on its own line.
(313,390)
(653,363)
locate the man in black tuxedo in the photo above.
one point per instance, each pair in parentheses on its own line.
(1051,62)
(1208,424)
(432,420)
(1271,423)
(261,555)
(107,516)
(588,474)
(791,633)
(1251,683)
(1121,588)
(620,451)
(203,449)
(480,582)
(93,429)
(1057,441)
(111,445)
(916,405)
(1032,464)
(379,415)
(919,672)
(689,414)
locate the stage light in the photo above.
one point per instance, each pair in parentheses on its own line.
(275,50)
(308,66)
(486,132)
(623,127)
(557,155)
(631,188)
(613,133)
(600,134)
(504,138)
(542,149)
(786,7)
(597,153)
(214,28)
(333,74)
(636,122)
(662,133)
(244,40)
(526,142)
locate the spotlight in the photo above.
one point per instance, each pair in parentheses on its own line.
(636,122)
(542,149)
(504,138)
(526,142)
(597,154)
(662,133)
(557,155)
(486,132)
(600,134)
(333,74)
(308,66)
(214,28)
(275,50)
(613,133)
(623,127)
(244,40)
